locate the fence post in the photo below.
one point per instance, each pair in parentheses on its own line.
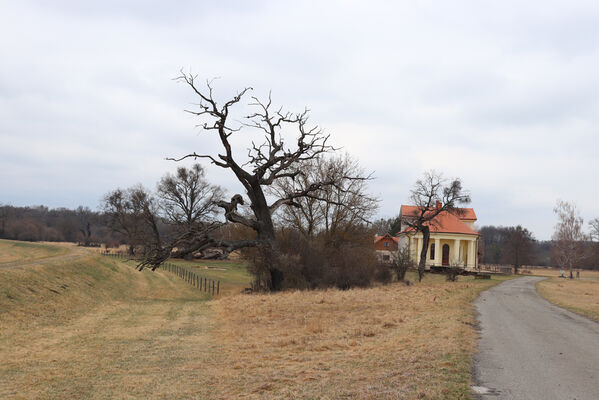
(217,288)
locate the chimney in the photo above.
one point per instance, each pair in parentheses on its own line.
(439,204)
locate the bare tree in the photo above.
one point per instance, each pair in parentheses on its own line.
(5,212)
(84,216)
(594,225)
(519,244)
(333,210)
(568,237)
(187,198)
(133,214)
(273,159)
(433,195)
(188,204)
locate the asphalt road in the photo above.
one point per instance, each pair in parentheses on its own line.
(531,349)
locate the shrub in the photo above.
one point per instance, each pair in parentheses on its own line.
(309,263)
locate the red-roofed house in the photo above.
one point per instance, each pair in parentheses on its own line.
(386,247)
(453,240)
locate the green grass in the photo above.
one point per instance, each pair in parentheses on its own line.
(232,274)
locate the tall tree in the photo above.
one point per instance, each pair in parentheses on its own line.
(188,205)
(433,195)
(288,143)
(519,248)
(132,213)
(187,198)
(333,210)
(84,217)
(568,237)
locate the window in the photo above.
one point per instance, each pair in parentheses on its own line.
(432,251)
(386,244)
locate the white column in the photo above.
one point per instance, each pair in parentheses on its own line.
(418,249)
(438,252)
(413,247)
(455,259)
(471,254)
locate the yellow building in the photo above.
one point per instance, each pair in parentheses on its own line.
(453,240)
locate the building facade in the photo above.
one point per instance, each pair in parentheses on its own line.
(453,240)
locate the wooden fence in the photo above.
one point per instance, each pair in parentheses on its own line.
(502,269)
(204,284)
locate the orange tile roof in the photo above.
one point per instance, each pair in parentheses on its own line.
(445,222)
(379,237)
(461,213)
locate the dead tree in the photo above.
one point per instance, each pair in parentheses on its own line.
(288,143)
(433,195)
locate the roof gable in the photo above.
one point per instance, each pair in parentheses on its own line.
(378,238)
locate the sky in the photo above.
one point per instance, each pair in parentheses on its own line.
(503,95)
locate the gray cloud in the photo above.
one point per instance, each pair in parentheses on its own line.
(503,95)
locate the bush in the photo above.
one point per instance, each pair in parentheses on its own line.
(402,263)
(302,263)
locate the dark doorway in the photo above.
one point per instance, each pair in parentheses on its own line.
(445,260)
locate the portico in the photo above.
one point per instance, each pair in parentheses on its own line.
(446,249)
(452,242)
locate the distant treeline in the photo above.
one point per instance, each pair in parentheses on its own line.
(496,248)
(40,223)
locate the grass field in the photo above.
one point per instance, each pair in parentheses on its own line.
(233,275)
(578,295)
(14,251)
(93,327)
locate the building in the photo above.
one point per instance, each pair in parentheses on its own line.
(453,240)
(386,247)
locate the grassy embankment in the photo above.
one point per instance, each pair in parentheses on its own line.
(578,295)
(14,251)
(114,332)
(91,327)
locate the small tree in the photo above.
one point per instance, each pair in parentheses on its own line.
(519,244)
(433,195)
(401,262)
(568,237)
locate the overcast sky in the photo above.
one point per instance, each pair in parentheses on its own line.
(504,95)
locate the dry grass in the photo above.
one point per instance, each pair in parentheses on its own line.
(94,328)
(14,251)
(585,275)
(388,342)
(578,295)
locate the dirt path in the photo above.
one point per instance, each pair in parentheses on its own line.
(531,349)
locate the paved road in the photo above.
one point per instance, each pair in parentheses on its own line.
(531,349)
